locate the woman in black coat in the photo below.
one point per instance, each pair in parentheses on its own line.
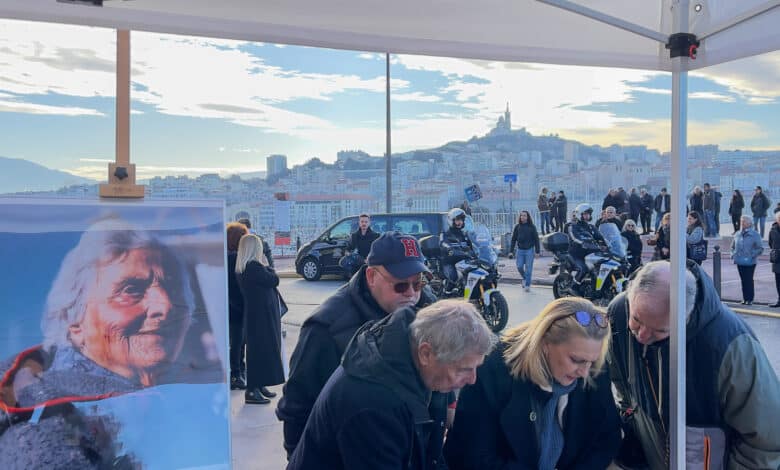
(663,239)
(634,244)
(237,333)
(262,317)
(735,208)
(774,255)
(537,403)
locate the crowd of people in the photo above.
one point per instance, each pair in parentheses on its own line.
(385,376)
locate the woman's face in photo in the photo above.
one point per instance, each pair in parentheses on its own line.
(691,219)
(523,218)
(135,317)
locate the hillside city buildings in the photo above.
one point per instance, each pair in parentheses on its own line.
(318,194)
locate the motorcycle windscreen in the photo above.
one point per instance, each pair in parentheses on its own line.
(615,242)
(482,239)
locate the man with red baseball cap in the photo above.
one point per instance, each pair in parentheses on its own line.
(393,278)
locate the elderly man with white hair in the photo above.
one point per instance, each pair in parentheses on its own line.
(733,394)
(375,411)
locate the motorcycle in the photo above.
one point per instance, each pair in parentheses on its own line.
(608,267)
(477,275)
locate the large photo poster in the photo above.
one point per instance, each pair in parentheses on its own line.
(113,337)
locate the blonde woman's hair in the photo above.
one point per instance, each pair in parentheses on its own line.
(250,248)
(555,324)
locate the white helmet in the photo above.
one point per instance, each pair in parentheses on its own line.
(454,214)
(583,208)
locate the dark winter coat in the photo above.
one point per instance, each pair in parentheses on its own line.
(561,207)
(614,201)
(731,388)
(375,412)
(62,436)
(646,203)
(634,247)
(697,203)
(323,339)
(235,298)
(262,313)
(524,237)
(759,204)
(666,199)
(362,243)
(494,426)
(635,205)
(774,244)
(736,206)
(663,239)
(583,237)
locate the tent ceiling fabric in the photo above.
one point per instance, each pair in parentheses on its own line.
(510,30)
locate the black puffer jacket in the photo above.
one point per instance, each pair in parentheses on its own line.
(375,411)
(324,337)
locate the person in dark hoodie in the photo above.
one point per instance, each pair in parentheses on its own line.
(379,409)
(394,277)
(561,208)
(732,404)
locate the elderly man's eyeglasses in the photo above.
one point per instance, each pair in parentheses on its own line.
(401,287)
(585,318)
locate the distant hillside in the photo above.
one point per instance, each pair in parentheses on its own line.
(18,175)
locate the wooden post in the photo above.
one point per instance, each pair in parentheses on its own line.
(121,175)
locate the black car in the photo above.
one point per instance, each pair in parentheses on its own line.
(321,255)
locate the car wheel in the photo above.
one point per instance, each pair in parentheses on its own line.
(311,269)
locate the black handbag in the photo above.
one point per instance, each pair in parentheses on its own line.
(698,251)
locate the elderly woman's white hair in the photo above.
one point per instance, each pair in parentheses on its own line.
(102,243)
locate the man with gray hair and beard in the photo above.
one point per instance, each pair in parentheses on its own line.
(375,410)
(732,391)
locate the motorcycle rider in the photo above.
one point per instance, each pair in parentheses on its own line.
(584,238)
(455,245)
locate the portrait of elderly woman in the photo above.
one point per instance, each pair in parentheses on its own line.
(118,319)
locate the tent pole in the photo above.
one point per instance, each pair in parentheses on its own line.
(677,365)
(388,152)
(604,18)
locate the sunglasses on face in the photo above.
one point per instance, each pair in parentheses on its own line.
(585,318)
(402,287)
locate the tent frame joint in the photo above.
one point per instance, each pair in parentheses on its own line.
(683,45)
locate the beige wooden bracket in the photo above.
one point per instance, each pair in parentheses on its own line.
(121,174)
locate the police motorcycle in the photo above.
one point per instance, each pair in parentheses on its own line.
(477,271)
(608,267)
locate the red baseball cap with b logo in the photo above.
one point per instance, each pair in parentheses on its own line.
(399,254)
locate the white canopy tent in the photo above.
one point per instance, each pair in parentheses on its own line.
(610,33)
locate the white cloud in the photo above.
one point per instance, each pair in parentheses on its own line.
(33,108)
(728,133)
(710,95)
(416,96)
(754,79)
(654,91)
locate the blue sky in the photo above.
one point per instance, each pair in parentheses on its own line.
(202,105)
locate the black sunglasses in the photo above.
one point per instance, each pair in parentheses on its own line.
(402,287)
(584,318)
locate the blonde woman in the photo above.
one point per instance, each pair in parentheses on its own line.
(540,400)
(262,317)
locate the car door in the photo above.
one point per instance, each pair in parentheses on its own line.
(333,243)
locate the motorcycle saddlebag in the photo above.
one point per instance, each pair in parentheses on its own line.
(556,242)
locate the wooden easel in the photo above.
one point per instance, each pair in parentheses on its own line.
(121,174)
